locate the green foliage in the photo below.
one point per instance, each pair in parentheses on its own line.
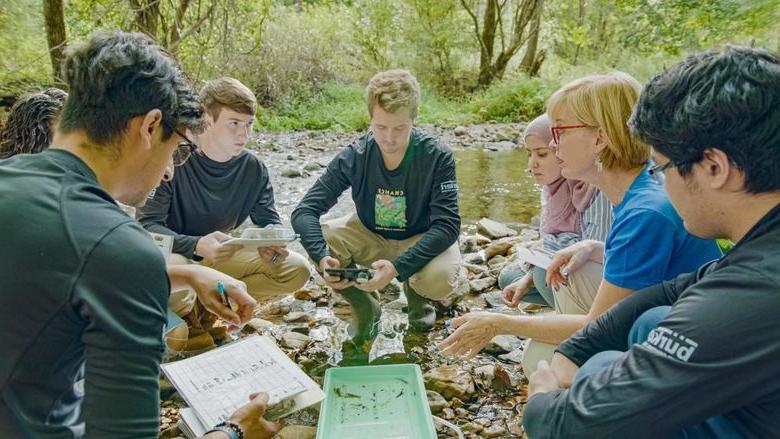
(515,99)
(308,60)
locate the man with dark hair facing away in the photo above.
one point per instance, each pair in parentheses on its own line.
(84,287)
(697,356)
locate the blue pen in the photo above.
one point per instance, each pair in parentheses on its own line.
(221,290)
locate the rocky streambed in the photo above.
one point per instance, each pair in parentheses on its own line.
(484,396)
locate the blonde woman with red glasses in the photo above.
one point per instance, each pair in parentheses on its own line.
(647,243)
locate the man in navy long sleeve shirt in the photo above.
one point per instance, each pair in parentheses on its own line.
(697,356)
(406,196)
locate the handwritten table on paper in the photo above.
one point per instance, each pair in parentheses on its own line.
(218,382)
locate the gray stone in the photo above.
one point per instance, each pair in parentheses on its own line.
(497,262)
(498,248)
(297,432)
(506,134)
(259,324)
(292,173)
(481,285)
(450,382)
(474,268)
(312,167)
(294,340)
(460,131)
(502,344)
(495,430)
(436,401)
(516,356)
(473,258)
(469,245)
(297,316)
(494,229)
(483,375)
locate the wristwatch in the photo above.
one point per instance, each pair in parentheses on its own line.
(232,429)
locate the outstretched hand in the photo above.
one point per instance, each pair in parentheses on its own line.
(474,331)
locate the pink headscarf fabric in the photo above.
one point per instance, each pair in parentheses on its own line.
(563,200)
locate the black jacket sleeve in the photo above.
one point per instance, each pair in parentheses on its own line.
(264,212)
(610,331)
(154,218)
(318,200)
(707,358)
(445,221)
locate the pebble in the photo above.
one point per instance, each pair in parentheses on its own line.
(294,340)
(502,344)
(297,432)
(481,285)
(297,316)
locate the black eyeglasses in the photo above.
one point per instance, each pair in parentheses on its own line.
(184,149)
(658,170)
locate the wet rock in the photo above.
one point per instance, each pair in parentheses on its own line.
(481,285)
(472,427)
(484,375)
(501,344)
(312,167)
(473,258)
(259,324)
(483,240)
(494,229)
(529,234)
(448,413)
(290,157)
(292,173)
(297,432)
(450,382)
(516,356)
(476,269)
(497,262)
(297,316)
(436,401)
(309,294)
(469,245)
(460,131)
(498,248)
(495,430)
(506,133)
(294,340)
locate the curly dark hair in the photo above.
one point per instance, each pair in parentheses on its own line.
(729,100)
(30,123)
(116,76)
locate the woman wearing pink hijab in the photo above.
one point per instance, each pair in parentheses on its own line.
(571,210)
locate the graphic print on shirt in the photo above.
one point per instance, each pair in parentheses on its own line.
(671,343)
(390,210)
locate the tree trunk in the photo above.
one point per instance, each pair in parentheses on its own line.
(147,14)
(55,35)
(529,63)
(488,37)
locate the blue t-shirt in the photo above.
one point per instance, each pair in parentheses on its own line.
(648,242)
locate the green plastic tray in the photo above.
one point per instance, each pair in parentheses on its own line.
(377,402)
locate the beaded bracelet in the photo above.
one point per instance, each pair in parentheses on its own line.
(232,429)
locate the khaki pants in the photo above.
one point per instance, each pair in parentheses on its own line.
(263,279)
(576,298)
(350,242)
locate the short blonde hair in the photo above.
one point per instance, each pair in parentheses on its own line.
(606,101)
(227,93)
(393,90)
